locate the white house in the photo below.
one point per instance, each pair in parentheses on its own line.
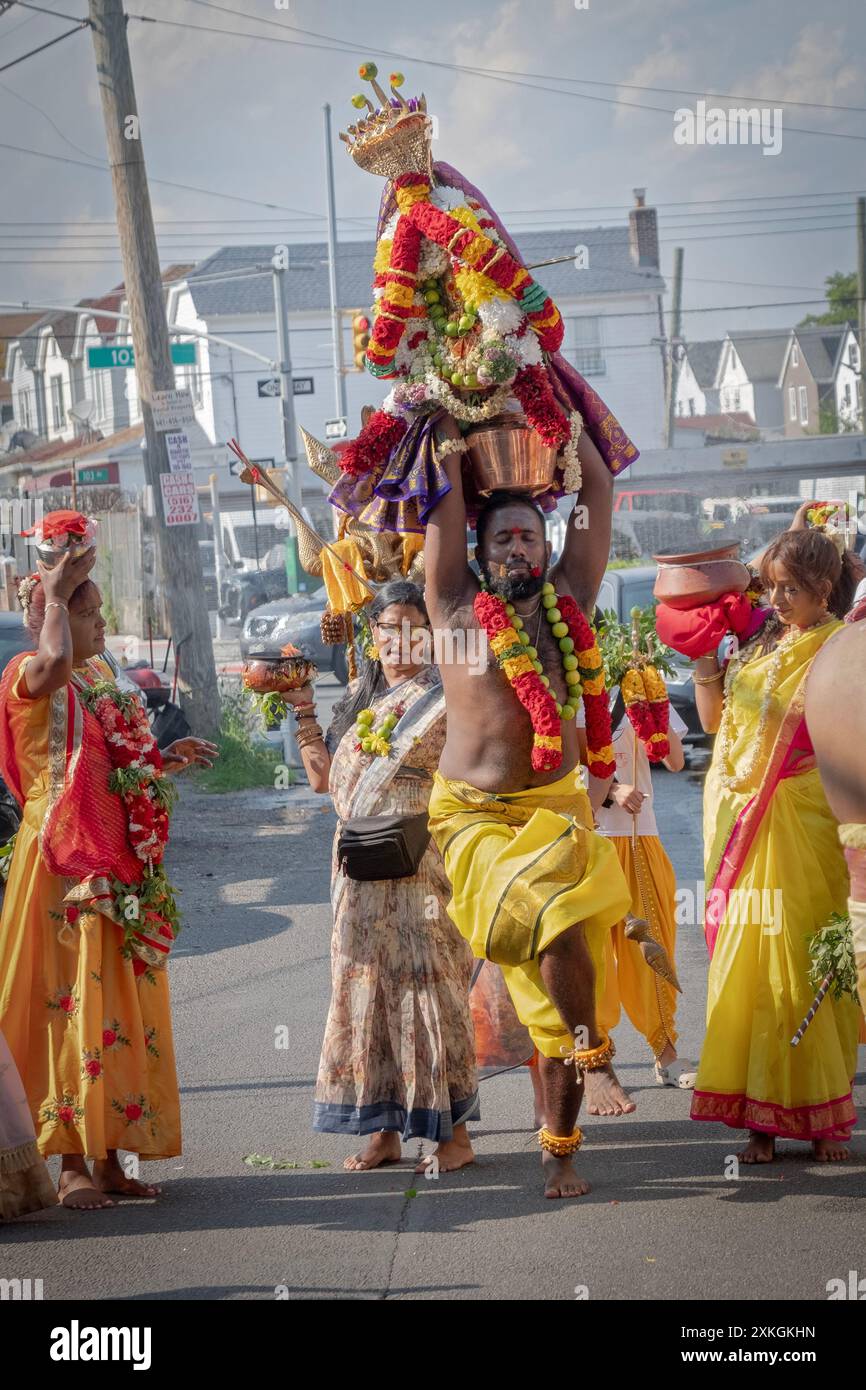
(749,376)
(848,385)
(697,393)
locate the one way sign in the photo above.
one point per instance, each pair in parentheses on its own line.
(301,386)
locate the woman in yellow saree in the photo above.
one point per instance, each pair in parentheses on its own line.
(774,873)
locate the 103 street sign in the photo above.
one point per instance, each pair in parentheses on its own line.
(182,355)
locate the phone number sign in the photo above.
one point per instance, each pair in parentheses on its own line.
(179,498)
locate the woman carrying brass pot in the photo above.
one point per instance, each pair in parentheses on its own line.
(398,1058)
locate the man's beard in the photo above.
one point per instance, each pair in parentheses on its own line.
(509,588)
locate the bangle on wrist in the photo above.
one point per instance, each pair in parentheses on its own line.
(55,603)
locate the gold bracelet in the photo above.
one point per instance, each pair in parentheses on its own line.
(591,1058)
(708,680)
(561,1146)
(54,604)
(310,735)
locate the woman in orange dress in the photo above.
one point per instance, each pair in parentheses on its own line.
(86,924)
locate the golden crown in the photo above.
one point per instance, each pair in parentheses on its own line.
(395,138)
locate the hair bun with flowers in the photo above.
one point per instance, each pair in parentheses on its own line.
(25,590)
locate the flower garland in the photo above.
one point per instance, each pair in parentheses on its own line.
(380,435)
(376,741)
(532,388)
(147,796)
(510,646)
(648,709)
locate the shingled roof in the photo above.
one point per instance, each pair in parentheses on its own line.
(821,347)
(761,351)
(611,270)
(704,360)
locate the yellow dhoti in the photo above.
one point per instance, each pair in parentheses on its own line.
(523,868)
(649,1001)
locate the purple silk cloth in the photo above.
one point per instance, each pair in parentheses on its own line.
(413,481)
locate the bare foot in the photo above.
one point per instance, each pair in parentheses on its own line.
(668,1056)
(108,1176)
(761,1148)
(76,1190)
(561,1179)
(604,1094)
(830,1150)
(383,1148)
(448,1156)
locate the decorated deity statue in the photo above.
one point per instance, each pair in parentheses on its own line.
(462,328)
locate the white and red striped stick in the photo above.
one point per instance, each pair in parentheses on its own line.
(825,985)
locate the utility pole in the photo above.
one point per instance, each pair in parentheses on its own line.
(673,354)
(336,317)
(280,264)
(179,554)
(861,305)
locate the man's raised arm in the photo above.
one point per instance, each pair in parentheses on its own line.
(587,538)
(448,580)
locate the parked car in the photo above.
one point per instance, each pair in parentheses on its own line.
(246,589)
(297,620)
(625,589)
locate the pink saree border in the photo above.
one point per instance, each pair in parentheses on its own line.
(741,1111)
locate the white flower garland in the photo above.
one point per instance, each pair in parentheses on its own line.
(572,472)
(461,410)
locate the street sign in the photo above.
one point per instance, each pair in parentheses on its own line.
(182,355)
(172,410)
(97,476)
(179,498)
(301,386)
(336,429)
(179,452)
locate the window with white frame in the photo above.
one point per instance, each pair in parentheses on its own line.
(795,356)
(25,413)
(804,406)
(57,413)
(847,395)
(792,403)
(194,384)
(852,356)
(691,405)
(587,345)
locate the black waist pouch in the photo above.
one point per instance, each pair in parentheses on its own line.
(378,847)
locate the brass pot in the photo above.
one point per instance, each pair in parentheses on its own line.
(506,454)
(702,576)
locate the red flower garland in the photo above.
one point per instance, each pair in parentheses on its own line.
(532,388)
(380,435)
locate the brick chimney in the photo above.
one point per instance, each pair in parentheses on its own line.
(643,232)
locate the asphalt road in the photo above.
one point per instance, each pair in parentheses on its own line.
(662,1220)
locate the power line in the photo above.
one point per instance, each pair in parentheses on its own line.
(348,45)
(85,24)
(488,74)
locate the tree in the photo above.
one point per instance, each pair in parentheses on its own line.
(842,299)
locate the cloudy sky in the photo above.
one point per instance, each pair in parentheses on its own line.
(556,109)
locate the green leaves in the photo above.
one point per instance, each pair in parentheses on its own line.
(614,640)
(831,949)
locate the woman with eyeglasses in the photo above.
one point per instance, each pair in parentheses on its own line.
(398,1058)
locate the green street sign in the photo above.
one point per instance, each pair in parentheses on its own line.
(182,355)
(94,475)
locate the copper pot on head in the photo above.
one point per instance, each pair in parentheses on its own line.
(505,454)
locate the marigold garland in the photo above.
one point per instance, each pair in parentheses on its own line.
(537,700)
(381,434)
(648,709)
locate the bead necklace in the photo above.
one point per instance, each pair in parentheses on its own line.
(566,646)
(743,781)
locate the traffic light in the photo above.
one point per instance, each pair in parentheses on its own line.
(360,338)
